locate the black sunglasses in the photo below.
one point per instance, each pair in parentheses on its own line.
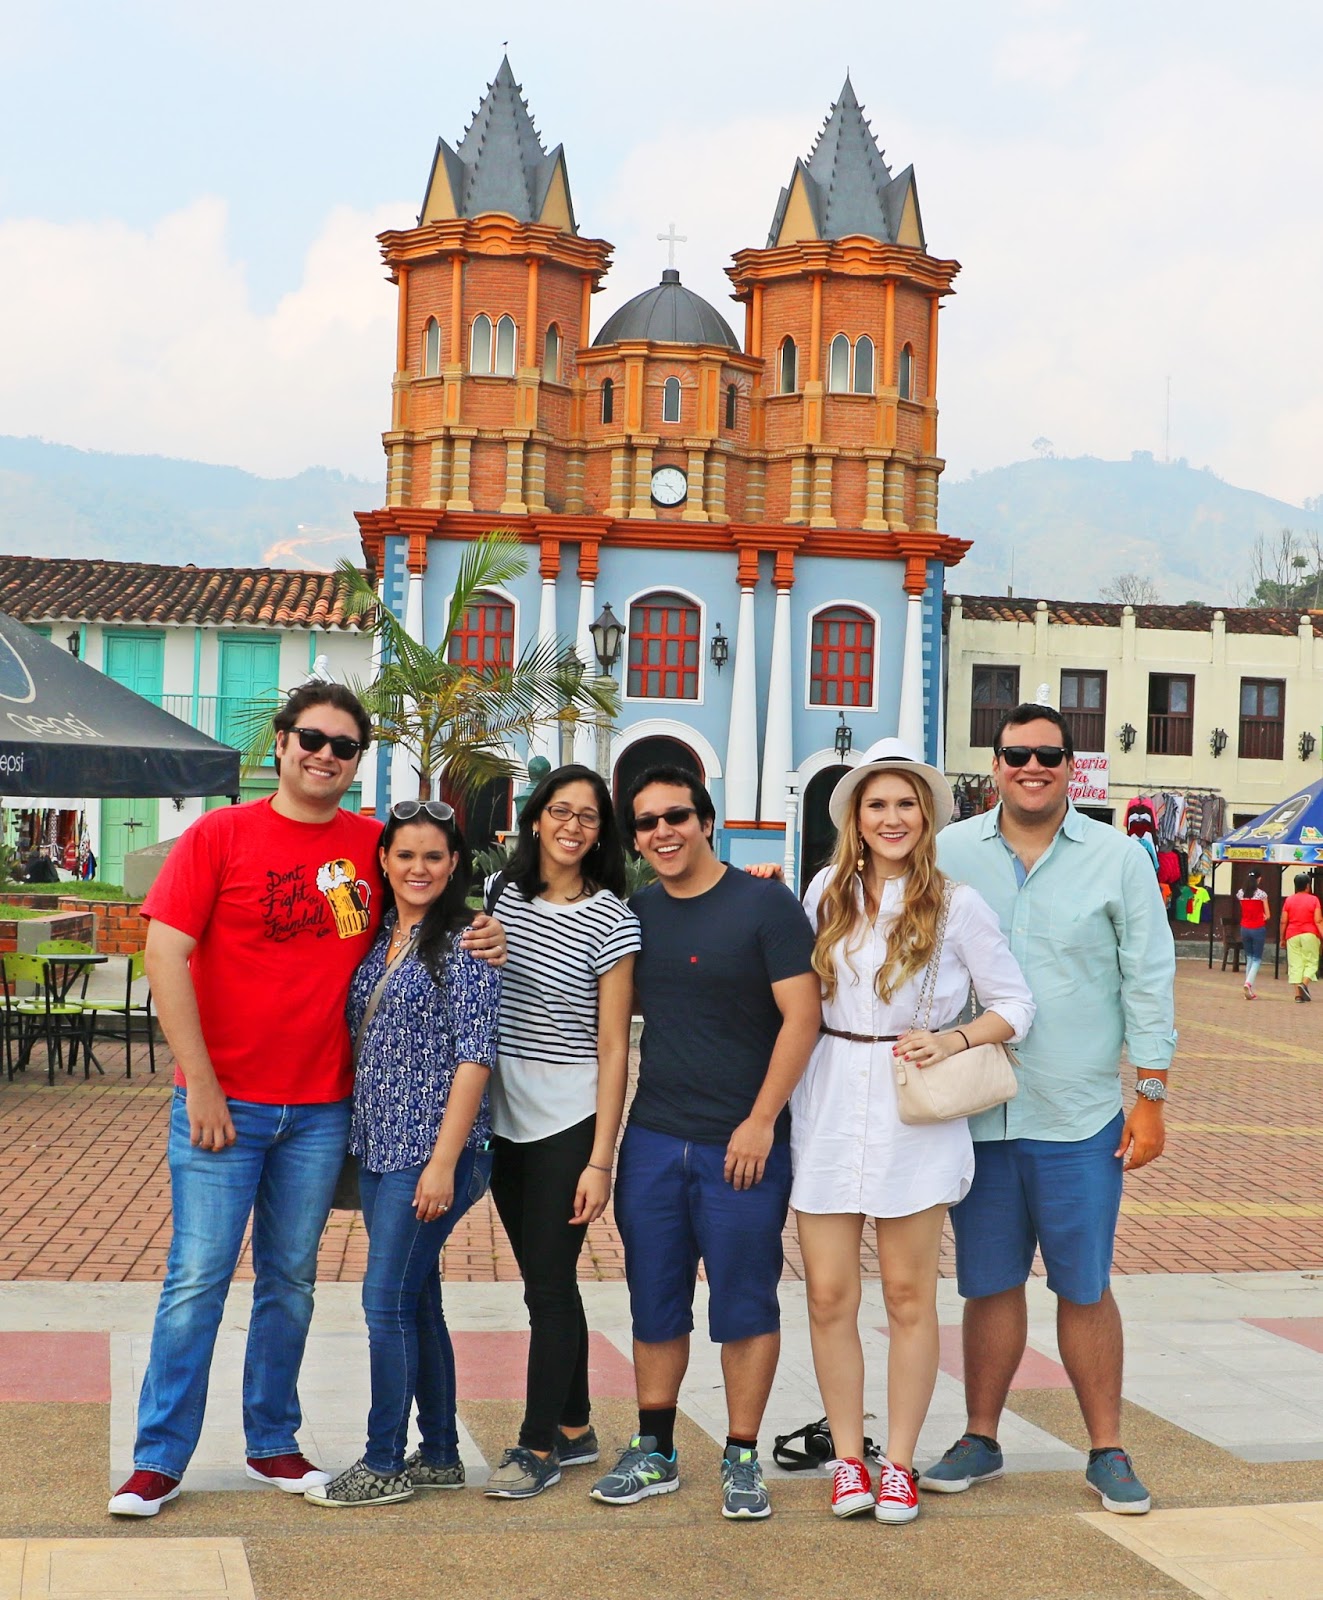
(675,817)
(407,810)
(342,748)
(1017,755)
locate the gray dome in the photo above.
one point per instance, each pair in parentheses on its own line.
(668,314)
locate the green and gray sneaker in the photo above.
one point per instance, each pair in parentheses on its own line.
(426,1476)
(360,1486)
(521,1475)
(576,1452)
(743,1492)
(642,1470)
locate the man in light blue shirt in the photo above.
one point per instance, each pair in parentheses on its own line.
(1082,911)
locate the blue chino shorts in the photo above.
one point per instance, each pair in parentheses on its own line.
(673,1208)
(1061,1197)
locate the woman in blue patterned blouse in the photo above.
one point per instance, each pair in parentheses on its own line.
(424,1016)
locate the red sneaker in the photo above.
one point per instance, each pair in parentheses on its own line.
(143,1495)
(292,1473)
(897,1494)
(851,1487)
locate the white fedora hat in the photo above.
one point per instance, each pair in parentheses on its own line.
(890,755)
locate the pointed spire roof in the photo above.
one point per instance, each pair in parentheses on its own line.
(500,164)
(845,186)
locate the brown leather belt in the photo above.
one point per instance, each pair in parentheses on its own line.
(859,1038)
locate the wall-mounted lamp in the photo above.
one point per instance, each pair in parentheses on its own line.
(1217,741)
(72,643)
(1127,735)
(844,740)
(720,652)
(1306,745)
(607,632)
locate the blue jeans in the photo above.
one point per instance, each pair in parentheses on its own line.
(412,1359)
(281,1170)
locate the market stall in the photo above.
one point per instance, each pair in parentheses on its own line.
(1290,834)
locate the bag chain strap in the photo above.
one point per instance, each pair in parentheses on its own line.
(928,993)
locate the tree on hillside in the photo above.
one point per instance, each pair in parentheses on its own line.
(1131,589)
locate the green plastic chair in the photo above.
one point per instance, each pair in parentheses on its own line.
(127,1009)
(29,1016)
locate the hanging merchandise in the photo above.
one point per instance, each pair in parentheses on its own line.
(1198,900)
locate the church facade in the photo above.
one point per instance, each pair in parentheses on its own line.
(759,510)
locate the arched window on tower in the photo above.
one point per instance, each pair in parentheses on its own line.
(432,348)
(838,366)
(663,648)
(480,344)
(551,355)
(608,400)
(905,374)
(671,400)
(485,635)
(732,400)
(863,365)
(787,378)
(505,348)
(841,657)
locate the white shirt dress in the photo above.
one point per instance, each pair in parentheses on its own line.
(851,1152)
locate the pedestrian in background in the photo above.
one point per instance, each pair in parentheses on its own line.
(1300,931)
(1253,929)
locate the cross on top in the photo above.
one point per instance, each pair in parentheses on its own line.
(670,239)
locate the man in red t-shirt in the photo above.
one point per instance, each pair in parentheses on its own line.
(258,920)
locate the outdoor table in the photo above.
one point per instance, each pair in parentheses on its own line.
(73,963)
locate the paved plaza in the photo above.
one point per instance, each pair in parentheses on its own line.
(1221,1285)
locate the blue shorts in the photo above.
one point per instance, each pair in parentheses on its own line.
(673,1208)
(1060,1197)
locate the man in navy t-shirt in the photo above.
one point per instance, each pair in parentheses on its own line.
(731,1008)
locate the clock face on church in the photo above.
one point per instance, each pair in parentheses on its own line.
(670,487)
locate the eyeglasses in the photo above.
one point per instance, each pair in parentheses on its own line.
(407,810)
(587,818)
(342,748)
(1017,755)
(675,817)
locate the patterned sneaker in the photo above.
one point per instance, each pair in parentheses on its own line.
(897,1494)
(423,1475)
(576,1452)
(1111,1474)
(143,1495)
(743,1492)
(295,1474)
(968,1461)
(360,1486)
(851,1487)
(521,1475)
(642,1470)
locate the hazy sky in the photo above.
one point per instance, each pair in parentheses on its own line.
(191,193)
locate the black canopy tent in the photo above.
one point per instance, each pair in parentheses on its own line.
(67,729)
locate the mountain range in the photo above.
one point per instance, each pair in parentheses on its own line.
(1051,527)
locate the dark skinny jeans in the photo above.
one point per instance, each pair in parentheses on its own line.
(533,1186)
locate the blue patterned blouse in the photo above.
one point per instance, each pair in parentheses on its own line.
(406,1064)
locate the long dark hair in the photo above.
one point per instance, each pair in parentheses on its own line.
(603,865)
(447,914)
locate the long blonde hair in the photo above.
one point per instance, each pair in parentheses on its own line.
(913,935)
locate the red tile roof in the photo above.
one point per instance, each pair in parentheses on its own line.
(1100,614)
(35,589)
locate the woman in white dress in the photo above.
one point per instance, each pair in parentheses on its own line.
(876,909)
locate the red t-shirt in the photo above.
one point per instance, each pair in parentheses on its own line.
(1300,909)
(282,912)
(1253,909)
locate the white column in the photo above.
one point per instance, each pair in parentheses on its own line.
(909,722)
(585,734)
(778,756)
(789,865)
(367,767)
(742,744)
(544,741)
(403,766)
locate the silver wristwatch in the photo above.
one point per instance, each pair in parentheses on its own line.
(1151,1088)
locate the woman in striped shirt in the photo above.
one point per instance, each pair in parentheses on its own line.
(559,1092)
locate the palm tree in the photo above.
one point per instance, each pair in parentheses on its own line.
(457,720)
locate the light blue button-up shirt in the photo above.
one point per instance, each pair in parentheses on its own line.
(1088,927)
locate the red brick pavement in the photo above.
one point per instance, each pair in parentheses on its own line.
(84,1190)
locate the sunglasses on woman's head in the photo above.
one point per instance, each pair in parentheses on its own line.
(407,810)
(675,817)
(1017,755)
(342,748)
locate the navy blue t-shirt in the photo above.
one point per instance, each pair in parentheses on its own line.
(704,980)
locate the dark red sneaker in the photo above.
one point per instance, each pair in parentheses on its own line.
(143,1495)
(293,1473)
